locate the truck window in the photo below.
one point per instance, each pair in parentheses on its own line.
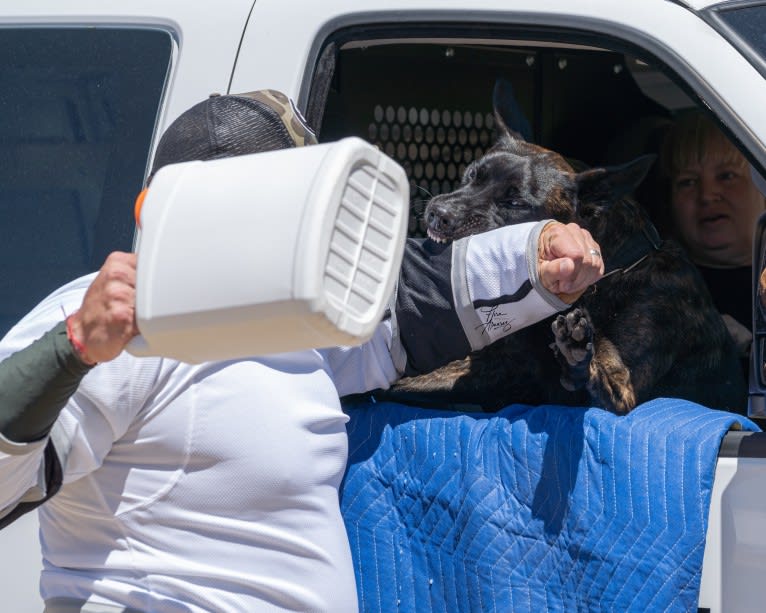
(78,108)
(744,26)
(427,102)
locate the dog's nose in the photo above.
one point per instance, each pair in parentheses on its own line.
(439,220)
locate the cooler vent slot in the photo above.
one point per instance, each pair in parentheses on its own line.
(363,240)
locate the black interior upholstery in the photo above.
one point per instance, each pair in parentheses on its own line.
(429,106)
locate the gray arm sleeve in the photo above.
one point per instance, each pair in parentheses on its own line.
(35,384)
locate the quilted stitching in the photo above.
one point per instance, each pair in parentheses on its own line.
(541,509)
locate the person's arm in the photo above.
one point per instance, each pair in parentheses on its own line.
(35,384)
(457,298)
(37,381)
(487,286)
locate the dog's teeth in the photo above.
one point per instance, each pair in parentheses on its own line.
(435,238)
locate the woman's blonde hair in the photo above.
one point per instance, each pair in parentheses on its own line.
(692,139)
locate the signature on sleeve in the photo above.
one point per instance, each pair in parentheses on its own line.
(494,320)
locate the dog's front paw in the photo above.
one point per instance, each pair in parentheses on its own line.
(573,347)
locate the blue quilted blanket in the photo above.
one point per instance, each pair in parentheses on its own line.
(530,509)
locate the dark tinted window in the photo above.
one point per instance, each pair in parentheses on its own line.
(77,113)
(749,23)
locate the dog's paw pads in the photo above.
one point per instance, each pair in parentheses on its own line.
(559,327)
(573,347)
(573,334)
(580,354)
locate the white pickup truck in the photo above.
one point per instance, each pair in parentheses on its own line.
(87,87)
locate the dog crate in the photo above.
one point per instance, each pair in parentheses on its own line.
(427,101)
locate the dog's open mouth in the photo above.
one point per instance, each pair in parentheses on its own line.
(438,238)
(471,226)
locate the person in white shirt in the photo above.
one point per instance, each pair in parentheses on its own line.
(214,487)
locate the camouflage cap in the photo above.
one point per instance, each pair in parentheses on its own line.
(235,124)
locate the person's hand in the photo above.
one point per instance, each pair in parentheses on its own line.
(568,260)
(105,322)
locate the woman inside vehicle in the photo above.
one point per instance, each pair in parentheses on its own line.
(714,209)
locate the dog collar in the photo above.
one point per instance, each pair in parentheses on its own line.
(633,251)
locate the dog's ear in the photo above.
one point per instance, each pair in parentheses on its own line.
(610,183)
(509,118)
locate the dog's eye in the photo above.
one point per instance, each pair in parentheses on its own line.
(512,197)
(470,174)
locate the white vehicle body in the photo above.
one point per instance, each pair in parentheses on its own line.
(244,45)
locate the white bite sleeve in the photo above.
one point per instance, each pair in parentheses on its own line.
(496,285)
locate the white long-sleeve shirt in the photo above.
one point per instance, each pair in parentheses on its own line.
(214,487)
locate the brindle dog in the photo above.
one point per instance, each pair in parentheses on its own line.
(647,329)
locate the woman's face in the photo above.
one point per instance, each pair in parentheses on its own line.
(716,207)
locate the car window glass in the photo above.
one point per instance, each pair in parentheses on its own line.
(78,109)
(750,24)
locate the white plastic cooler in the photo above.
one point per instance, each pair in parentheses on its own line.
(270,252)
